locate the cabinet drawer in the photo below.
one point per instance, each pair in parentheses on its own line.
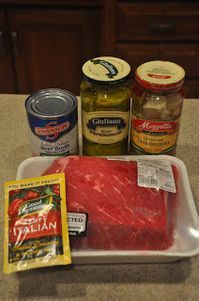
(158,22)
(186,55)
(192,88)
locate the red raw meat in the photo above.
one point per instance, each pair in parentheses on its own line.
(121,215)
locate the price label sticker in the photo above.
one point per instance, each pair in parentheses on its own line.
(156,174)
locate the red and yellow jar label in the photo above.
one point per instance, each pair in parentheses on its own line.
(154,137)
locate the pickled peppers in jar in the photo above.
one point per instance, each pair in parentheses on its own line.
(105,96)
(156,108)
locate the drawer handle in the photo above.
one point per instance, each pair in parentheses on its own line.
(162,27)
(15,43)
(2,44)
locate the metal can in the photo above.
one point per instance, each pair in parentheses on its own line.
(52,117)
(105,96)
(156,107)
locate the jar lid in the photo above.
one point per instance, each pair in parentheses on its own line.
(160,75)
(106,69)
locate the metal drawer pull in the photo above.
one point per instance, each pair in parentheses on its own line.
(15,43)
(2,44)
(162,27)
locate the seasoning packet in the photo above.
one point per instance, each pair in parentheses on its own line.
(36,230)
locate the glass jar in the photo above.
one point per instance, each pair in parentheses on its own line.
(105,95)
(156,108)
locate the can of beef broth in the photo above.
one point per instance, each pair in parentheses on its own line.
(52,118)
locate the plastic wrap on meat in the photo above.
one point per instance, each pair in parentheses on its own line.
(121,215)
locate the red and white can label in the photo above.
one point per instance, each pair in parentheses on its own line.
(54,137)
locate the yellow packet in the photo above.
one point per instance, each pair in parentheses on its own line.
(36,230)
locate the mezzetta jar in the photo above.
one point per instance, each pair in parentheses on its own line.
(156,108)
(105,96)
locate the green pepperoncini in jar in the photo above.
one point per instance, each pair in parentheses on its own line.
(105,96)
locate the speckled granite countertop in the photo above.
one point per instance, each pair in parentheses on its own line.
(125,282)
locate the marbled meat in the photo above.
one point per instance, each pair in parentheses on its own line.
(121,215)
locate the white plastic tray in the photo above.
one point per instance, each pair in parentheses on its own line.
(186,243)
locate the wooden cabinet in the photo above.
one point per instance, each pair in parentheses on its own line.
(158,30)
(51,46)
(161,21)
(46,45)
(7,73)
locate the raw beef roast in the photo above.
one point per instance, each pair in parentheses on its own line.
(121,215)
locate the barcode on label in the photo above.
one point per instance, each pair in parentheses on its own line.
(75,227)
(148,181)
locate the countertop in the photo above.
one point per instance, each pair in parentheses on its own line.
(105,282)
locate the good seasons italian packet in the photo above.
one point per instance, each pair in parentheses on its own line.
(36,230)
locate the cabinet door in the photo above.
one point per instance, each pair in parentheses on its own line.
(7,80)
(50,47)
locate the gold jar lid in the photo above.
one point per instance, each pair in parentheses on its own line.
(160,75)
(106,69)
